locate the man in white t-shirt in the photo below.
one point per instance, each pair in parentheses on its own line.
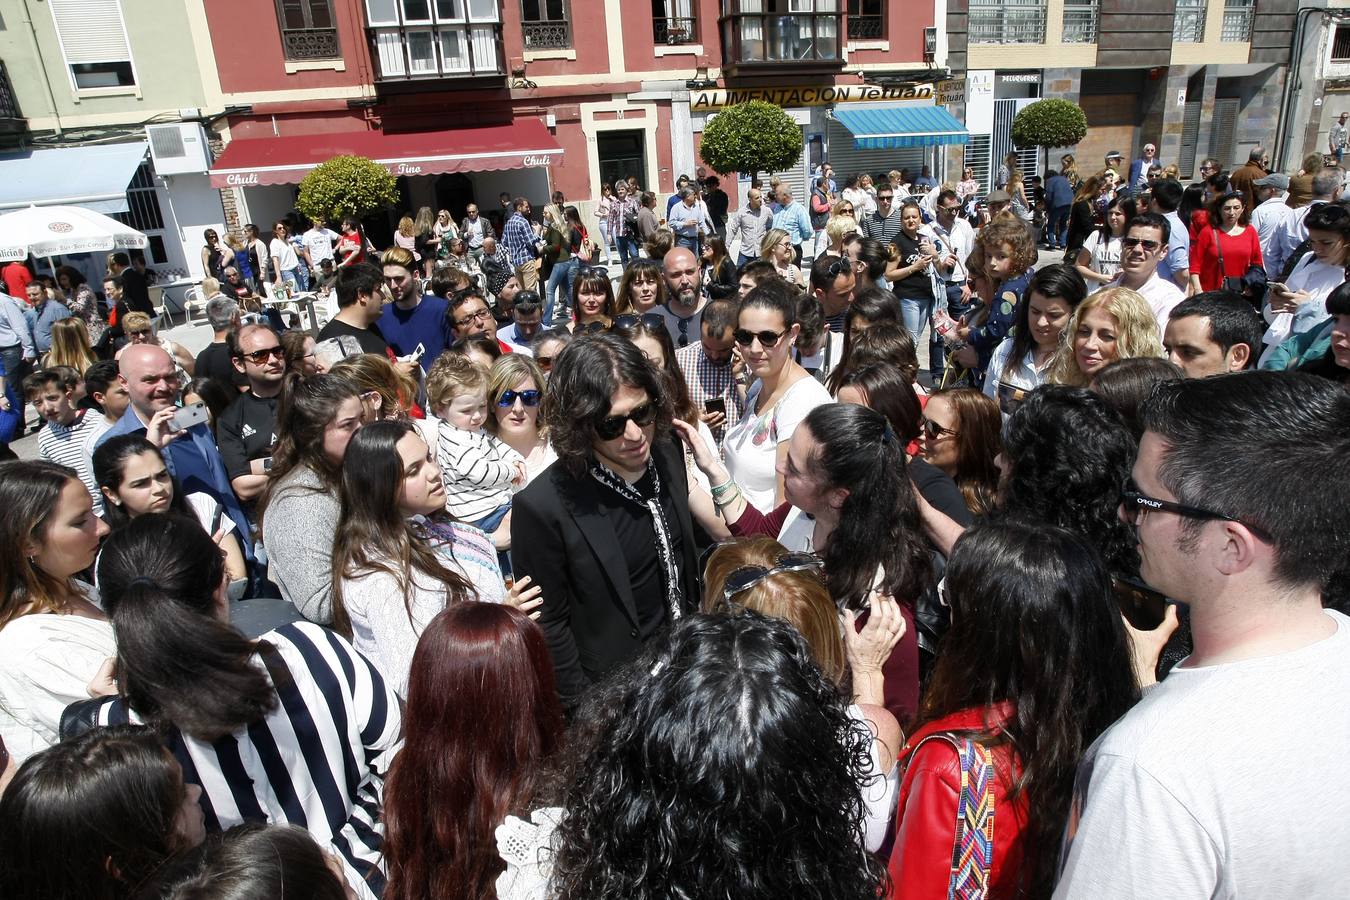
(1228,779)
(1142,248)
(319,241)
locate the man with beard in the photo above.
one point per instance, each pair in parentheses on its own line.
(684,296)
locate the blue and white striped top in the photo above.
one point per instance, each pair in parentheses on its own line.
(317,760)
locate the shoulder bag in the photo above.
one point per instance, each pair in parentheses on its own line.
(973,844)
(1251,285)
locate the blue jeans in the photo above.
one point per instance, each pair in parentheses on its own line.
(916,311)
(1057,227)
(682,240)
(745,259)
(292,277)
(937,351)
(628,249)
(562,275)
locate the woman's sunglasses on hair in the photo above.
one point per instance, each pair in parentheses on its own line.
(746,577)
(610,427)
(631,320)
(508,398)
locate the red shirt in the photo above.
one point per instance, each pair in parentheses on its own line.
(17,278)
(1239,252)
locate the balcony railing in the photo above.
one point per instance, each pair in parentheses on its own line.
(750,39)
(412,53)
(1012,22)
(1080,24)
(310,43)
(672,31)
(1189,25)
(547,35)
(1237,22)
(866,28)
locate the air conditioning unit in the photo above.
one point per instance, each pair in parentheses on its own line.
(178,149)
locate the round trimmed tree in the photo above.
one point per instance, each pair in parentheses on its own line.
(1049,123)
(750,138)
(346,186)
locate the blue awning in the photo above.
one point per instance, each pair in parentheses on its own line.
(94,176)
(892,127)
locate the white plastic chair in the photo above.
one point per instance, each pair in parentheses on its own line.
(193,301)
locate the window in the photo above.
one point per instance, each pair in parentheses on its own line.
(307,29)
(1340,44)
(1007,22)
(1237,20)
(673,22)
(781,31)
(866,21)
(143,211)
(413,39)
(94,43)
(1080,21)
(1189,25)
(546,24)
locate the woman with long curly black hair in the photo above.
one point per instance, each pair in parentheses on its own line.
(727,767)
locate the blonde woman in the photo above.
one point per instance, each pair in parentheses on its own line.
(777,248)
(140,330)
(1114,323)
(870,202)
(386,393)
(406,236)
(428,242)
(831,242)
(70,346)
(1068,167)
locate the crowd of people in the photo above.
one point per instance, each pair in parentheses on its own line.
(529,576)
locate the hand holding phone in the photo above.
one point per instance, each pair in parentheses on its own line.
(187,416)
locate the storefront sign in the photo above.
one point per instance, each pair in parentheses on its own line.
(533,161)
(1021,78)
(809,95)
(236,180)
(951,91)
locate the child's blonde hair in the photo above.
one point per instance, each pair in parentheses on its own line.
(451,376)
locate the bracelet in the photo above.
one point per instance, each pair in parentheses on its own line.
(723,487)
(722,502)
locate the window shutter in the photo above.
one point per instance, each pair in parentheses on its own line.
(91,31)
(1223,130)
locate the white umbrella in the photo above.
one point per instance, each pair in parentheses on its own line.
(61,230)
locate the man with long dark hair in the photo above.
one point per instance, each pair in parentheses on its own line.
(606,531)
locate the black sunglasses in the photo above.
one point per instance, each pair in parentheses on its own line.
(258,357)
(544,362)
(653,321)
(1133,503)
(767,339)
(746,577)
(610,427)
(934,430)
(590,327)
(508,398)
(1130,243)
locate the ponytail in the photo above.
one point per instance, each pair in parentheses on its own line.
(177,663)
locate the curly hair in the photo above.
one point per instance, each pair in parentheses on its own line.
(737,740)
(582,383)
(1016,235)
(1069,454)
(453,375)
(1136,333)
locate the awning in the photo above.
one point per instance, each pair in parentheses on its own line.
(94,177)
(524,144)
(892,127)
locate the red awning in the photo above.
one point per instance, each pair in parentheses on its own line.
(524,144)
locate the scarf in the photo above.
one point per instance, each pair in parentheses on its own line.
(652,503)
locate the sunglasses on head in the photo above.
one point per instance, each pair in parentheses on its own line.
(590,327)
(631,320)
(746,577)
(508,398)
(767,339)
(610,427)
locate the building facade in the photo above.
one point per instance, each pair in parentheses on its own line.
(1319,87)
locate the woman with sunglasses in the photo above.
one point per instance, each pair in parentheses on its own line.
(515,390)
(777,248)
(1023,710)
(779,398)
(546,347)
(592,301)
(642,288)
(849,499)
(761,575)
(961,437)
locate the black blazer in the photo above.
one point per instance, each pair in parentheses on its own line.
(562,539)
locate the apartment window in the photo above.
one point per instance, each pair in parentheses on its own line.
(307,29)
(143,211)
(435,38)
(1080,22)
(1188,27)
(94,44)
(866,20)
(546,24)
(1237,20)
(781,31)
(673,22)
(1007,22)
(1340,44)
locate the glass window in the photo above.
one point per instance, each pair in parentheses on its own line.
(381,12)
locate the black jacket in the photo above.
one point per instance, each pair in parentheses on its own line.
(562,539)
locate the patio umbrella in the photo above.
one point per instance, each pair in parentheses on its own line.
(61,230)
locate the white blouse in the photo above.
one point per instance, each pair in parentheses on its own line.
(751,445)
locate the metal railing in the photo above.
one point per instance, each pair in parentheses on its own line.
(547,35)
(1080,23)
(9,104)
(671,31)
(1237,21)
(1012,22)
(310,43)
(866,28)
(796,38)
(1189,25)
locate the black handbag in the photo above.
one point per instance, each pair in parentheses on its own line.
(1250,285)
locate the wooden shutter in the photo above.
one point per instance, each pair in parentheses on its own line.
(1223,130)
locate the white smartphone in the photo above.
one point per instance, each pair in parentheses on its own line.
(194,414)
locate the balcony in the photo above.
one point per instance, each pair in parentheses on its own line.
(673,31)
(1011,22)
(1080,23)
(547,35)
(1237,21)
(787,35)
(303,44)
(866,28)
(413,53)
(1188,27)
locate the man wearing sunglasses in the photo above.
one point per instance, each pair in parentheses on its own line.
(527,315)
(1226,779)
(884,224)
(606,531)
(1142,248)
(246,431)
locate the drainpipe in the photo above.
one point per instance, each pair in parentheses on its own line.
(51,97)
(1293,82)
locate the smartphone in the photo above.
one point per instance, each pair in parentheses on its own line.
(188,416)
(416,355)
(715,405)
(1143,607)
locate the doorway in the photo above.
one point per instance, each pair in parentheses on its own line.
(454,192)
(622,153)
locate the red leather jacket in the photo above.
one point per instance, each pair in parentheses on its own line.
(925,818)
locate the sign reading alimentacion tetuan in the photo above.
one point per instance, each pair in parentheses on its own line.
(808,95)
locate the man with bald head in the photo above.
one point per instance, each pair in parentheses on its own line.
(683,308)
(151,380)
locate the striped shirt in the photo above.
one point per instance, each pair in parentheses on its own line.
(317,760)
(73,446)
(477,470)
